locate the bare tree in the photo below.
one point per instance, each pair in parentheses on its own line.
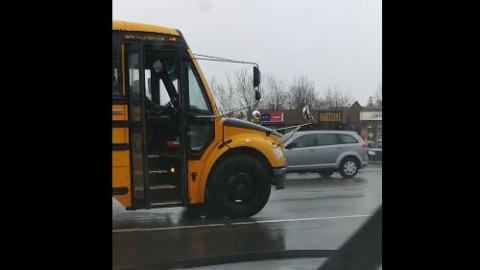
(376,99)
(318,104)
(224,95)
(242,83)
(378,94)
(335,97)
(237,92)
(370,101)
(274,95)
(302,92)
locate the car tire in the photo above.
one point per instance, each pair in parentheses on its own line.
(326,174)
(239,186)
(349,167)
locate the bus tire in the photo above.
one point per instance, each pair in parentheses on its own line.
(195,211)
(239,186)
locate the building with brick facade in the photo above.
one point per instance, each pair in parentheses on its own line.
(366,121)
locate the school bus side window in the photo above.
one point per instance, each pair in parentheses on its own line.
(201,130)
(198,102)
(154,84)
(116,89)
(134,77)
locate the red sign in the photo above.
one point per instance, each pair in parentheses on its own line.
(276,117)
(272,117)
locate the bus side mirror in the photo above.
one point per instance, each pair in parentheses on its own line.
(258,96)
(256,77)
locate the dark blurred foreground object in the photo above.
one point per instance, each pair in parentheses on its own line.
(363,250)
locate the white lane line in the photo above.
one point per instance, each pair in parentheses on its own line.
(234,224)
(166,228)
(296,219)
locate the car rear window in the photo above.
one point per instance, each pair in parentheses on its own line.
(345,138)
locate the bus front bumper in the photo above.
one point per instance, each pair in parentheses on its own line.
(279,177)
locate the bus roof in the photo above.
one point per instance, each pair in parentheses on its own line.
(140,27)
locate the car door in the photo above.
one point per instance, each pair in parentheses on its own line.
(298,153)
(326,150)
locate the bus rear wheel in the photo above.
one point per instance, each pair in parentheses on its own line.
(239,187)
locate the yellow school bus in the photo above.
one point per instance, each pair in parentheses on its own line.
(171,146)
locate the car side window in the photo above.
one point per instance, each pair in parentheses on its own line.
(303,141)
(325,139)
(345,138)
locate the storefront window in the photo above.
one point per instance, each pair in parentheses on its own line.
(379,131)
(370,132)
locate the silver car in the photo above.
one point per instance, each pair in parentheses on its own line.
(326,152)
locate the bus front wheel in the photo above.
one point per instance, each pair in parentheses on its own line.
(239,187)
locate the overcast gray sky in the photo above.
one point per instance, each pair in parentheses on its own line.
(329,41)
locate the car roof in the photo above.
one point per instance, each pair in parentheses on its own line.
(327,132)
(300,133)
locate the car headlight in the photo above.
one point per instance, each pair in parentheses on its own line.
(371,153)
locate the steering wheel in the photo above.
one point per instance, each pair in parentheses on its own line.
(168,106)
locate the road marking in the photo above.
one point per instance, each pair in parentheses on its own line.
(166,228)
(296,219)
(326,190)
(234,224)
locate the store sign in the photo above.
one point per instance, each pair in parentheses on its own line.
(371,116)
(330,116)
(272,117)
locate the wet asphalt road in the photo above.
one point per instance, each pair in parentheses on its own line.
(309,219)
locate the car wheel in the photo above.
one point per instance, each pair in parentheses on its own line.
(349,167)
(326,174)
(239,187)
